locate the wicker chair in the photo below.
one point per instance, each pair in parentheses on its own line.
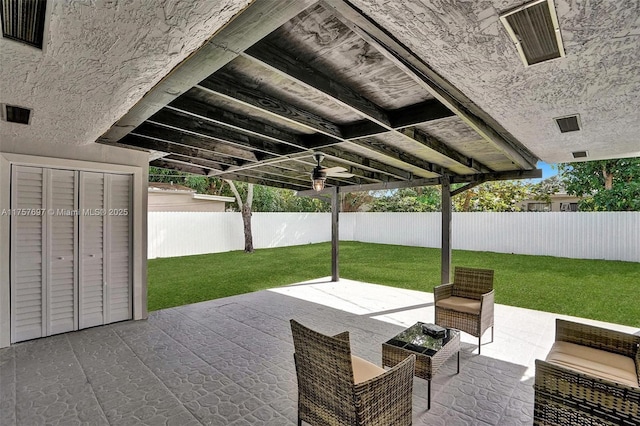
(467,303)
(590,377)
(337,388)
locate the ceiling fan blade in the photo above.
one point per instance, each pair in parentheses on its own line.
(330,170)
(340,174)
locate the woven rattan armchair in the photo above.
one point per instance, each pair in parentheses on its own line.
(600,385)
(337,388)
(467,303)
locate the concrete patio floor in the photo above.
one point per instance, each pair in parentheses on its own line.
(229,362)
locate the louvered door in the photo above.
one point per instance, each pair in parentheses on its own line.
(118,247)
(43,252)
(28,277)
(70,250)
(91,271)
(61,226)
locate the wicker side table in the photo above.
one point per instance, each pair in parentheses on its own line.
(430,352)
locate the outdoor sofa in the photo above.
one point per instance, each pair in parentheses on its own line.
(591,376)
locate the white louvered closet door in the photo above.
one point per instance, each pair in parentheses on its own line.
(28,277)
(118,247)
(43,252)
(61,250)
(91,272)
(105,248)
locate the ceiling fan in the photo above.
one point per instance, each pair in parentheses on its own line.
(319,174)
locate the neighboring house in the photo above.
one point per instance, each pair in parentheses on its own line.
(560,202)
(167,197)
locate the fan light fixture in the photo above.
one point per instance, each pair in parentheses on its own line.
(319,173)
(318,176)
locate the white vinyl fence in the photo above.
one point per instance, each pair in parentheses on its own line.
(611,235)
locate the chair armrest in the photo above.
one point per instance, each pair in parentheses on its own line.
(442,291)
(388,396)
(344,336)
(486,306)
(598,338)
(580,392)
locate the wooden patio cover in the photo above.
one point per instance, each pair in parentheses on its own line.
(287,78)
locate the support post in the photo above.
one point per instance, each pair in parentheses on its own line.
(446,230)
(335,233)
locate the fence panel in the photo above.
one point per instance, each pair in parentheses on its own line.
(610,235)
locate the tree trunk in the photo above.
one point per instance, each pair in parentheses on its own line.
(608,178)
(248,236)
(245,209)
(467,200)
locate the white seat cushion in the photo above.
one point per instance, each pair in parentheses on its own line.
(594,362)
(460,304)
(364,370)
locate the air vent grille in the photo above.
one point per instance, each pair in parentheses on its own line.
(534,30)
(580,154)
(23,20)
(570,123)
(15,114)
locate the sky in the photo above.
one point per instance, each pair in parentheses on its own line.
(547,170)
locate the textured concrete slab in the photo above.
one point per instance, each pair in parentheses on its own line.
(229,362)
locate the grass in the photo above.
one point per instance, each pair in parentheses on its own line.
(597,289)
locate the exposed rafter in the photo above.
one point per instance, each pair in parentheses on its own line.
(173,135)
(226,87)
(515,174)
(277,60)
(169,147)
(440,88)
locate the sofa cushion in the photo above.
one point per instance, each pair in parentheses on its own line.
(594,362)
(460,304)
(364,370)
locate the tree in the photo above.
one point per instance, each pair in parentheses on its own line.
(543,190)
(495,196)
(606,185)
(245,209)
(355,201)
(419,199)
(266,199)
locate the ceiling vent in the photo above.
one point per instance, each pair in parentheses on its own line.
(580,154)
(23,20)
(570,123)
(16,114)
(535,31)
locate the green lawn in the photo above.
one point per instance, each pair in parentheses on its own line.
(598,289)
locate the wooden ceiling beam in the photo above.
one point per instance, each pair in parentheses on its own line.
(412,115)
(397,154)
(172,135)
(171,165)
(275,59)
(260,18)
(420,113)
(171,148)
(363,166)
(444,149)
(426,77)
(239,122)
(194,161)
(481,177)
(258,178)
(229,89)
(203,128)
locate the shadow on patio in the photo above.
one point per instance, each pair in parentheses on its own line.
(229,362)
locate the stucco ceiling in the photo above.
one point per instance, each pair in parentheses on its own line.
(100,58)
(599,78)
